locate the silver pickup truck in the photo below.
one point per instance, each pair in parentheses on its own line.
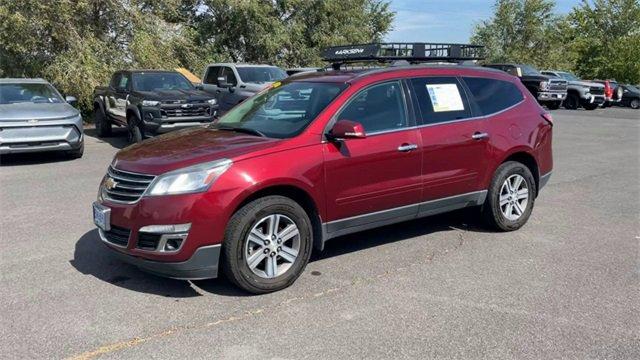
(587,94)
(34,117)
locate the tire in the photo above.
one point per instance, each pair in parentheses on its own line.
(135,132)
(571,102)
(77,153)
(492,211)
(255,218)
(554,105)
(103,125)
(634,104)
(590,106)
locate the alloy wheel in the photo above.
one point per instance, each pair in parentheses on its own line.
(272,246)
(514,197)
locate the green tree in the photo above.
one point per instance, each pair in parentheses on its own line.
(519,31)
(605,37)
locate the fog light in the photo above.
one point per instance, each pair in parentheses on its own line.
(173,244)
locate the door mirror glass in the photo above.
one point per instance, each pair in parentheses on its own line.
(222,82)
(347,129)
(71,100)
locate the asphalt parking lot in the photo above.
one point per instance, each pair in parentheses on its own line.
(567,285)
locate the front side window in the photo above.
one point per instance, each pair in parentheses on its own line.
(28,93)
(378,108)
(529,71)
(493,95)
(283,111)
(440,99)
(261,74)
(160,81)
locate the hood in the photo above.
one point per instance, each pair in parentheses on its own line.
(586,84)
(188,147)
(177,94)
(39,111)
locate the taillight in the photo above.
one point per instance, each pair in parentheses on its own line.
(547,116)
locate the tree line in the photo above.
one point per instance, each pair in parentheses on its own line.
(597,39)
(78,44)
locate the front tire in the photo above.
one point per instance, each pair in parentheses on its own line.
(103,126)
(590,106)
(571,102)
(135,133)
(267,244)
(510,198)
(554,105)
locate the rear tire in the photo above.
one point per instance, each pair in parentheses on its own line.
(251,247)
(506,207)
(554,105)
(571,102)
(103,126)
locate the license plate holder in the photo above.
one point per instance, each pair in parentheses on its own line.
(102,216)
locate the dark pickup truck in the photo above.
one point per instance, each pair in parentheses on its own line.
(150,102)
(549,91)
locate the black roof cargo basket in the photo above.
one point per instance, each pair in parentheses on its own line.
(411,52)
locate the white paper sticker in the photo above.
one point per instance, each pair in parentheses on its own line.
(445,97)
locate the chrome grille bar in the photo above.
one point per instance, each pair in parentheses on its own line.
(125,187)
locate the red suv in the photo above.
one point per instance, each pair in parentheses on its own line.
(319,156)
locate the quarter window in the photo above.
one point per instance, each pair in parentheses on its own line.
(440,99)
(378,108)
(493,95)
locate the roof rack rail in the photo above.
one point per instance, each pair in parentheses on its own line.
(411,52)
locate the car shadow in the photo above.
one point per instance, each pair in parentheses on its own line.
(117,139)
(92,257)
(33,158)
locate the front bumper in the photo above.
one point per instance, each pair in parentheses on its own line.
(552,96)
(203,264)
(22,138)
(593,99)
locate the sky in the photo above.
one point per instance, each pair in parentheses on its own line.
(445,20)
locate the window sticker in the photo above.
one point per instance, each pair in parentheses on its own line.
(445,97)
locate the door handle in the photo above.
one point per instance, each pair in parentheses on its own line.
(480,136)
(407,147)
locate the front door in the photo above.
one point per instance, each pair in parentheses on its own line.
(373,179)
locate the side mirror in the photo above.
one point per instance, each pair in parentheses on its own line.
(71,100)
(199,86)
(346,129)
(222,82)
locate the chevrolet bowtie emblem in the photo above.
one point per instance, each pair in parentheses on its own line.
(110,184)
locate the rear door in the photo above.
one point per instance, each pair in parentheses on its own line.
(454,140)
(367,177)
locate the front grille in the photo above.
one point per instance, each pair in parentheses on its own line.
(185,110)
(124,186)
(596,90)
(117,235)
(558,85)
(148,241)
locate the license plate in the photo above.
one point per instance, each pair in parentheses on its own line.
(101,216)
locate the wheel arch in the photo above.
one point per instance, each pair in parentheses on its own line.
(295,193)
(529,161)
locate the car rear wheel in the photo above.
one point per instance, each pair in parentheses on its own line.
(510,198)
(571,102)
(267,244)
(103,126)
(554,105)
(635,104)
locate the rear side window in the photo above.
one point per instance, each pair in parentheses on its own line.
(493,95)
(440,99)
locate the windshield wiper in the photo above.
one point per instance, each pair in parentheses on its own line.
(241,130)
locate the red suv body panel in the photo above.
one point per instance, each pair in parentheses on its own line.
(343,182)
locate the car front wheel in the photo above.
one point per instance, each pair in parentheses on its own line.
(267,244)
(635,104)
(510,197)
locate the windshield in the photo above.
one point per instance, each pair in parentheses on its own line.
(633,88)
(160,81)
(261,74)
(25,93)
(568,76)
(282,112)
(528,70)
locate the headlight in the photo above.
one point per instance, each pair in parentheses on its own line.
(150,103)
(191,179)
(212,101)
(544,85)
